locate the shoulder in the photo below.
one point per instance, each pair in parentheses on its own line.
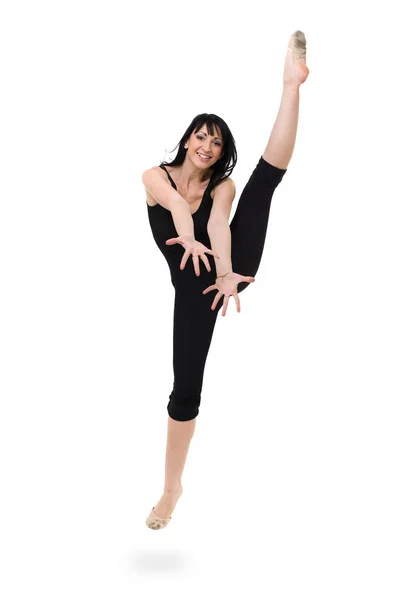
(227,186)
(158,169)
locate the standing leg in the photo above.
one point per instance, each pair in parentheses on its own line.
(194,324)
(249,225)
(193,329)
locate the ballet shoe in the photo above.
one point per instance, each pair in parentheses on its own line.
(296,70)
(155,522)
(297,44)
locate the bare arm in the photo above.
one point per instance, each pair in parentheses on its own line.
(183,219)
(218,225)
(220,238)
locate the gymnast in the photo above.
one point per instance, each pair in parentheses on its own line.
(189,202)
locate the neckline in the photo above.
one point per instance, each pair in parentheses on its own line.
(174,185)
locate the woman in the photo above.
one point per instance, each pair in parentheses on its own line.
(193,198)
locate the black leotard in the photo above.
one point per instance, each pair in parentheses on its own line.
(163,228)
(194,320)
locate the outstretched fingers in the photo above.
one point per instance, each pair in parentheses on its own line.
(196,260)
(217,298)
(212,252)
(236,296)
(219,295)
(205,261)
(210,287)
(184,259)
(196,265)
(226,302)
(171,241)
(225,305)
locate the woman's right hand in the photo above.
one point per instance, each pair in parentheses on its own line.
(195,249)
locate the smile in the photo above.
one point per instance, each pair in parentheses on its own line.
(202,157)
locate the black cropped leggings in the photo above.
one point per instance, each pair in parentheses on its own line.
(194,320)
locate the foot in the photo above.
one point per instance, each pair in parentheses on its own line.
(296,70)
(165,506)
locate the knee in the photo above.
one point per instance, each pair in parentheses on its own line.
(183,409)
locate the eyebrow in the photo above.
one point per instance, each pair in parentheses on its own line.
(204,133)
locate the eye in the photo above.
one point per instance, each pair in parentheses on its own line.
(200,137)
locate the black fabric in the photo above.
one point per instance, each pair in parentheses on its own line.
(194,321)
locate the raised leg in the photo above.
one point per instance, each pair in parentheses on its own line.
(281,142)
(249,225)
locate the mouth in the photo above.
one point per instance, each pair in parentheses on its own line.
(203,157)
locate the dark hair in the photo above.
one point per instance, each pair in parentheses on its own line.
(224,166)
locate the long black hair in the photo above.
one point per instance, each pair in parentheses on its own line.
(224,166)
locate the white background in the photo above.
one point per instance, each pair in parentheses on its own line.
(291,486)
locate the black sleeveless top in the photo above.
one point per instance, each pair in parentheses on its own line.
(163,228)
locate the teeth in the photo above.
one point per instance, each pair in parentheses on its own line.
(202,156)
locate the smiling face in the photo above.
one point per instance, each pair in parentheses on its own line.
(205,144)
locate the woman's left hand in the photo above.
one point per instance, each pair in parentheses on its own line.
(227,286)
